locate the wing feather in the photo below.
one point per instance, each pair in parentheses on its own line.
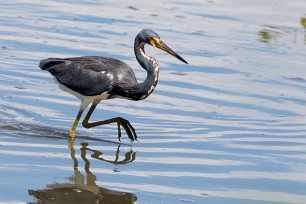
(90,75)
(78,75)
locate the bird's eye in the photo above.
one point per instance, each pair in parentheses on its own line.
(150,39)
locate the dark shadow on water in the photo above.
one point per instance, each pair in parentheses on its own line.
(31,130)
(129,156)
(83,188)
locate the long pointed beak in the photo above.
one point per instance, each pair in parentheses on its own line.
(161,45)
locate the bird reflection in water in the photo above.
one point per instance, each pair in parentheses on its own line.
(83,189)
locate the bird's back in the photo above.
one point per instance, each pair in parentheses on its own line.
(90,75)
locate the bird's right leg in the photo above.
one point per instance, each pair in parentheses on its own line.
(83,106)
(120,122)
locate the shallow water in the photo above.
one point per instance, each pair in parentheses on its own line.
(229,127)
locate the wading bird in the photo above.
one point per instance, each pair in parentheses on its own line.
(93,78)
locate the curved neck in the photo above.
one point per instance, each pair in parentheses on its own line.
(145,88)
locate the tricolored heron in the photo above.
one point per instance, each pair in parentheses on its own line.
(93,78)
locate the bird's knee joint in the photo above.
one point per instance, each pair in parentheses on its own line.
(85,124)
(121,119)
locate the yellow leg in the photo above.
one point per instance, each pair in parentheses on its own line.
(75,124)
(84,104)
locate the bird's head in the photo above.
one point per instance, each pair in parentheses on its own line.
(152,38)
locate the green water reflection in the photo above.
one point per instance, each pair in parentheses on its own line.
(83,188)
(303,22)
(272,34)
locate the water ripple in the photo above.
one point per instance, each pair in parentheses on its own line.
(227,128)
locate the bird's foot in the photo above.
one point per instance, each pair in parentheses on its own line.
(129,129)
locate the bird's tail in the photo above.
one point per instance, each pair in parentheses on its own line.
(50,62)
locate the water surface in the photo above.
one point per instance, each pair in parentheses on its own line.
(229,127)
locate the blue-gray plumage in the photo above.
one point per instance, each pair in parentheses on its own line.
(90,75)
(93,78)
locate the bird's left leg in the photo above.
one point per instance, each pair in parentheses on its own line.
(130,131)
(83,106)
